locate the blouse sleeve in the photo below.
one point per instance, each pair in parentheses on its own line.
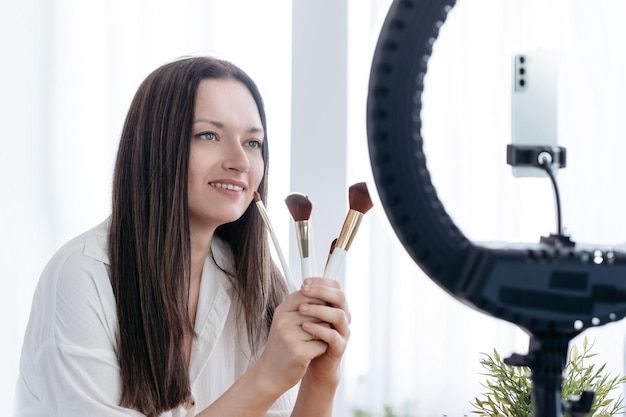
(69,365)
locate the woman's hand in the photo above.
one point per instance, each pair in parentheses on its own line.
(309,334)
(327,320)
(290,349)
(305,344)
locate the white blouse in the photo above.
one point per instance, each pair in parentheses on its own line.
(69,364)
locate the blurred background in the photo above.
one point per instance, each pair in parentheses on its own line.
(70,69)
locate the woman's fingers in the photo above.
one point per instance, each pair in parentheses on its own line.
(329,292)
(333,341)
(328,321)
(289,348)
(326,317)
(318,313)
(310,331)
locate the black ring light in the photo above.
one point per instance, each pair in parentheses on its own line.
(552,291)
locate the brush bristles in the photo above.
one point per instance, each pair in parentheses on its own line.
(332,249)
(360,198)
(257,196)
(299,206)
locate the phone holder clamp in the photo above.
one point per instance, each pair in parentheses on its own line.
(535,155)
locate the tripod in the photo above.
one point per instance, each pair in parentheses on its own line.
(546,358)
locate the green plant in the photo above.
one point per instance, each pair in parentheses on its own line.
(509,387)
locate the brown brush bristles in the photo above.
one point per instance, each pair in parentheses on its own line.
(332,246)
(299,206)
(332,249)
(360,198)
(257,196)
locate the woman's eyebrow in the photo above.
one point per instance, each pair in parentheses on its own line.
(220,125)
(213,122)
(255,130)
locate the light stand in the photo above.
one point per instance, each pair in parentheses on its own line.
(546,359)
(553,289)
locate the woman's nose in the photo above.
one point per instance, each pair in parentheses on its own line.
(235,158)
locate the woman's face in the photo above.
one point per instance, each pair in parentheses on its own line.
(225,159)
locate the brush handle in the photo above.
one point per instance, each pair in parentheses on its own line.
(307,267)
(312,258)
(335,263)
(283,263)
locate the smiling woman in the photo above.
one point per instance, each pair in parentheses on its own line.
(173,306)
(79,65)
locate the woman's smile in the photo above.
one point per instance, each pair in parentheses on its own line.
(227,186)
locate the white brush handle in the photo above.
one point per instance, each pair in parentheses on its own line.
(334,263)
(283,263)
(312,260)
(307,267)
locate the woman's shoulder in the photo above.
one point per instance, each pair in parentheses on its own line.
(74,291)
(85,253)
(72,328)
(77,275)
(93,244)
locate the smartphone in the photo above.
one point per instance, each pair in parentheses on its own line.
(534,103)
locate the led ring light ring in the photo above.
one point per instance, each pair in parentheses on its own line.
(542,288)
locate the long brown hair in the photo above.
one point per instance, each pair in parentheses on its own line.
(149,243)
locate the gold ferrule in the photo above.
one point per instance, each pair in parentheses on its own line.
(264,215)
(302,234)
(349,229)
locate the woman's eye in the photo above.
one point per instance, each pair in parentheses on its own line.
(255,144)
(209,136)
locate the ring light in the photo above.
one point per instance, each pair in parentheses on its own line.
(553,291)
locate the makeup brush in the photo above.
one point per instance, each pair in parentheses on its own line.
(360,203)
(330,251)
(300,208)
(268,224)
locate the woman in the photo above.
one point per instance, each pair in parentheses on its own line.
(173,306)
